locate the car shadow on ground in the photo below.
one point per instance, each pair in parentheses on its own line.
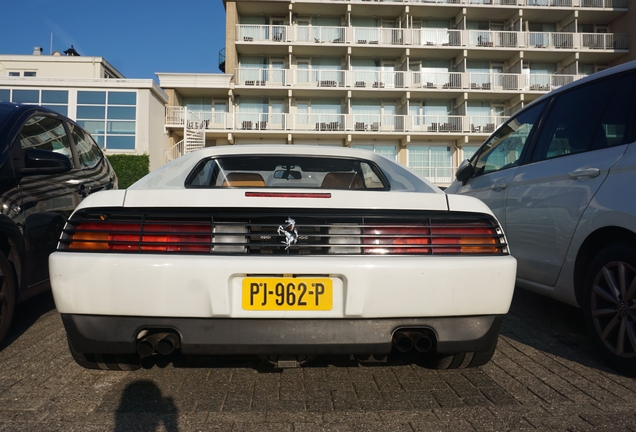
(552,327)
(26,314)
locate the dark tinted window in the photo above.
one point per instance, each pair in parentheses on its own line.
(45,133)
(618,118)
(590,117)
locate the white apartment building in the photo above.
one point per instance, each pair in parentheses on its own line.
(421,81)
(123,115)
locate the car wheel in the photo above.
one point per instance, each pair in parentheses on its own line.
(121,362)
(609,305)
(7,295)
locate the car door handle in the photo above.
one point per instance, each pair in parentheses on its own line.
(584,173)
(499,186)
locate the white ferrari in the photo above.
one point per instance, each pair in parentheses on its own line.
(285,252)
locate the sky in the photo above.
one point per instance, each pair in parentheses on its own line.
(137,37)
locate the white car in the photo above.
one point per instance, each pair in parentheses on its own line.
(285,252)
(560,176)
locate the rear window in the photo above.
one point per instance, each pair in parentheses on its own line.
(273,171)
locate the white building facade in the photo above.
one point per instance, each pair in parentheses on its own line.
(423,82)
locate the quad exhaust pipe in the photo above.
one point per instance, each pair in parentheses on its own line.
(406,340)
(160,343)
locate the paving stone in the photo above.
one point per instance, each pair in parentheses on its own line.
(545,375)
(323,427)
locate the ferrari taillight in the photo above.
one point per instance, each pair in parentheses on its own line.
(397,240)
(433,239)
(466,240)
(91,236)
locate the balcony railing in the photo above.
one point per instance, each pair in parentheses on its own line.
(319,34)
(259,121)
(430,37)
(366,79)
(303,122)
(504,39)
(540,3)
(262,77)
(320,78)
(433,37)
(318,122)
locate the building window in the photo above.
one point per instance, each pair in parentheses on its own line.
(469,151)
(388,151)
(433,162)
(26,96)
(56,100)
(21,73)
(110,117)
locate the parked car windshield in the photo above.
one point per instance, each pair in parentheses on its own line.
(284,171)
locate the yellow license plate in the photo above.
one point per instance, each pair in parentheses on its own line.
(287,293)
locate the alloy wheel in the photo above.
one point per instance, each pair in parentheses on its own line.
(613,307)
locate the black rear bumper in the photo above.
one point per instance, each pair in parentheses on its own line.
(92,334)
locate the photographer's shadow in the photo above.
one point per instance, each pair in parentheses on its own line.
(142,408)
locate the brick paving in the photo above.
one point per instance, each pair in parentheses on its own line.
(545,375)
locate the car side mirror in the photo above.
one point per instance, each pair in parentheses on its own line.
(464,172)
(42,162)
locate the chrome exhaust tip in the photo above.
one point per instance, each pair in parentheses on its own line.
(402,342)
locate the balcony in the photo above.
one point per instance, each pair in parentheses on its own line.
(303,122)
(365,36)
(601,4)
(378,80)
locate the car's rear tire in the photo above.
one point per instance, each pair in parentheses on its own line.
(120,362)
(7,295)
(609,305)
(460,360)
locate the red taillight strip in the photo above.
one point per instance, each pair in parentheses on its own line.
(286,195)
(435,239)
(137,236)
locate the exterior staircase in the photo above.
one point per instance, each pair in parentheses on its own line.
(194,139)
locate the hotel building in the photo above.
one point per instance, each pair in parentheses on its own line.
(423,82)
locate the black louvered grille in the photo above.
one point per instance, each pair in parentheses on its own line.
(229,232)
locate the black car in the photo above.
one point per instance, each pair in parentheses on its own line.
(48,164)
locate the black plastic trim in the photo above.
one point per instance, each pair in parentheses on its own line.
(99,334)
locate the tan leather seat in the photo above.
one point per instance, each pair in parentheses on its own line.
(336,180)
(243,180)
